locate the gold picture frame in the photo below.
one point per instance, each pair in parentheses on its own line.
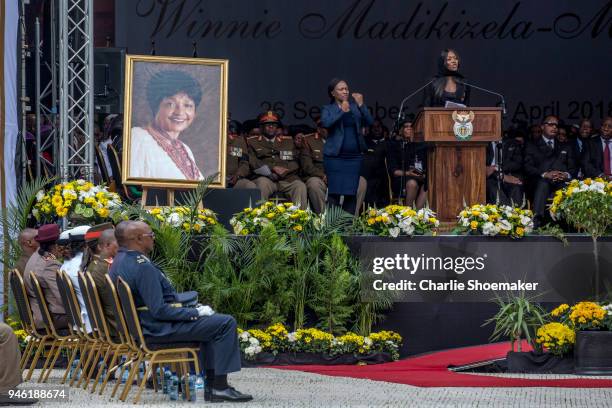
(168,139)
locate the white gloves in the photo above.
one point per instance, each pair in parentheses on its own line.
(205,310)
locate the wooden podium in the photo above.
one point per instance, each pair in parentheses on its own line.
(456,172)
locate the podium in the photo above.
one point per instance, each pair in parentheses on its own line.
(456,172)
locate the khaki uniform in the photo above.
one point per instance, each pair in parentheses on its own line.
(237,163)
(282,152)
(311,160)
(98,269)
(45,267)
(21,263)
(10,374)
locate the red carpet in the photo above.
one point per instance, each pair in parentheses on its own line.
(431,371)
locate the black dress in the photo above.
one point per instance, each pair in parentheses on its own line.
(461,94)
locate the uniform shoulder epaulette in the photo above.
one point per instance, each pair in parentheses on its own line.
(252,137)
(286,137)
(310,135)
(141,259)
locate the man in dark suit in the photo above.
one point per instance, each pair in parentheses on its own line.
(507,164)
(597,153)
(165,321)
(549,164)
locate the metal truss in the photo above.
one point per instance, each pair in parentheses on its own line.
(46,103)
(76,140)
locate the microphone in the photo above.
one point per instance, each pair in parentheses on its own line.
(503,100)
(400,115)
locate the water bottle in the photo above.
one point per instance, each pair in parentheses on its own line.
(199,383)
(101,366)
(159,376)
(125,375)
(166,386)
(141,372)
(73,367)
(192,388)
(173,391)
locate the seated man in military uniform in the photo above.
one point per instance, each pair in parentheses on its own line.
(237,162)
(163,323)
(44,264)
(274,159)
(311,161)
(101,249)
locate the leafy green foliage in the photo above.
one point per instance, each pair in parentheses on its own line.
(331,288)
(518,317)
(16,218)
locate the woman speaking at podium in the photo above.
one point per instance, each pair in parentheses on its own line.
(344,119)
(448,84)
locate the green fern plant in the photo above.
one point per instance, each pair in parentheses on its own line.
(331,288)
(16,217)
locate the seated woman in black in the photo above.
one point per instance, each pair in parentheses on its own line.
(407,161)
(447,85)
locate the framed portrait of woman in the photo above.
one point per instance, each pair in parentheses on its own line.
(175,121)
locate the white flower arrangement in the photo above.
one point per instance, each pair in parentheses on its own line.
(492,220)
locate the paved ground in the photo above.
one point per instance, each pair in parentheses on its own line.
(280,388)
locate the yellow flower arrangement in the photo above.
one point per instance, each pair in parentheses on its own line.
(557,338)
(492,220)
(585,204)
(284,217)
(560,310)
(276,338)
(587,315)
(202,221)
(396,220)
(76,198)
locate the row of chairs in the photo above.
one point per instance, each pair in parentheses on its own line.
(98,348)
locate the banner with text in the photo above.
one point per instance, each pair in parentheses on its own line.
(545,56)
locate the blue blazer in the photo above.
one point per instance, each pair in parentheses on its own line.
(331,119)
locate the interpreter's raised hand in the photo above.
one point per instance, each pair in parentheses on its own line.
(358,99)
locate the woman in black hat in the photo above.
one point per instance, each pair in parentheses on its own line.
(448,84)
(344,118)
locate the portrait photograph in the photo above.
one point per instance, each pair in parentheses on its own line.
(175,121)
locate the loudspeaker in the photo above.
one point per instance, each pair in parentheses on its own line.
(228,201)
(109,68)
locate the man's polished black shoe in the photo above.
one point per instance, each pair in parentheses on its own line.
(230,394)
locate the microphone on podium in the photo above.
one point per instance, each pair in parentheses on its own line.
(503,100)
(400,115)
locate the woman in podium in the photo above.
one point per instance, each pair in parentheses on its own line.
(448,85)
(344,119)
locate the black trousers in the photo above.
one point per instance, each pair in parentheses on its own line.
(509,194)
(349,204)
(219,348)
(544,189)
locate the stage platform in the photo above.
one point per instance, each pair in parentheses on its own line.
(431,321)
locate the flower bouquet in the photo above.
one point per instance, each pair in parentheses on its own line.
(492,220)
(396,220)
(284,217)
(201,222)
(585,204)
(77,199)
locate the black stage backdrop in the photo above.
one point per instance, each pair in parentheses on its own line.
(545,56)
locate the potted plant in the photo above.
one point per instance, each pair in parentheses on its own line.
(593,350)
(517,320)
